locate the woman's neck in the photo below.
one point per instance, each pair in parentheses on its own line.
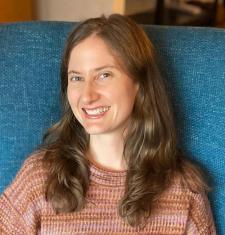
(106,150)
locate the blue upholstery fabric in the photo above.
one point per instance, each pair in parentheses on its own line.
(192,60)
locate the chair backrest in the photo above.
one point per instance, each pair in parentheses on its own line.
(191,59)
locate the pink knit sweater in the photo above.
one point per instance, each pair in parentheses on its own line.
(24,210)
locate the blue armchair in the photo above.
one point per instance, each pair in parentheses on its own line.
(192,60)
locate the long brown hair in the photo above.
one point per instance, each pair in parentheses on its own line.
(150,145)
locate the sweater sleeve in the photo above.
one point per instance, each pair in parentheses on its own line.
(200,220)
(11,221)
(19,212)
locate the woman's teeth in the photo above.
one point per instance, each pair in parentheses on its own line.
(96,111)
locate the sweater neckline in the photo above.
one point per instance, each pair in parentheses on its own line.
(107,177)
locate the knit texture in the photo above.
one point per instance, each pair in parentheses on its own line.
(24,210)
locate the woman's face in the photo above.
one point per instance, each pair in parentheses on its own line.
(99,91)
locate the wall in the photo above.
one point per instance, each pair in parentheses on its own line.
(72,10)
(75,10)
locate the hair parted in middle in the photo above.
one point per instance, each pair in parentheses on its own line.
(150,144)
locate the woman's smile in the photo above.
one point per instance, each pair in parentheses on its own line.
(95,113)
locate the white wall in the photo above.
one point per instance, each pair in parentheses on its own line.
(76,10)
(71,10)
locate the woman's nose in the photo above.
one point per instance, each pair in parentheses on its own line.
(89,93)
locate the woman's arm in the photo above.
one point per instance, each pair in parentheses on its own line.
(19,210)
(11,221)
(200,220)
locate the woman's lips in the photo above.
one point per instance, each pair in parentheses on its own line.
(95,113)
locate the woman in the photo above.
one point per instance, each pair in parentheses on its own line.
(110,166)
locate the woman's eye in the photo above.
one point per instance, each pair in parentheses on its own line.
(75,78)
(105,75)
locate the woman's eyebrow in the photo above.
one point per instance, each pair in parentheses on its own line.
(73,71)
(105,67)
(95,69)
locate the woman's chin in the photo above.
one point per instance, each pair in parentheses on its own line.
(96,130)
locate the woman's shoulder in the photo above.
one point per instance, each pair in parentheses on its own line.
(24,199)
(180,195)
(179,184)
(34,161)
(187,175)
(31,176)
(187,183)
(33,165)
